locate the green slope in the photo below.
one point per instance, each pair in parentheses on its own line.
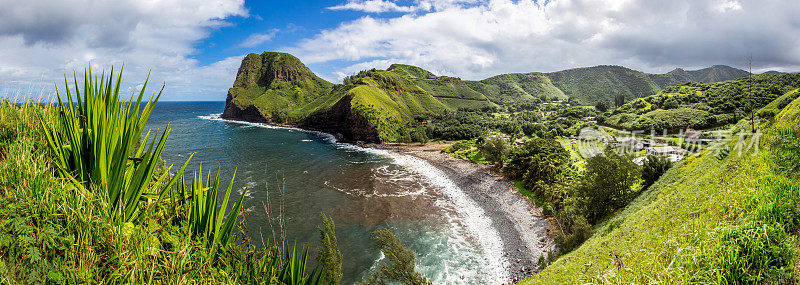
(451,91)
(703,105)
(279,88)
(589,85)
(710,219)
(278,85)
(519,87)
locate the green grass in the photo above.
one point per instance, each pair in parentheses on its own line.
(75,209)
(709,219)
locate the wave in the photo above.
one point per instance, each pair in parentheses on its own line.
(469,216)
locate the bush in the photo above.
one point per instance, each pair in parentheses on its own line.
(539,163)
(608,184)
(419,134)
(575,229)
(653,168)
(495,149)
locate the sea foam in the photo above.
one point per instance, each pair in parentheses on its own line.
(471,217)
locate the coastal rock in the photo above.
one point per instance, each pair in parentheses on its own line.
(341,120)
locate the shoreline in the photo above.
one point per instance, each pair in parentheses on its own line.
(520,224)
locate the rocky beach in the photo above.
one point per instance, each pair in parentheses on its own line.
(520,224)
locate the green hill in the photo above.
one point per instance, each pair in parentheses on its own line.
(703,105)
(386,105)
(519,87)
(591,84)
(720,216)
(278,86)
(374,105)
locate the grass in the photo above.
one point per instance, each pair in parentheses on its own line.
(82,201)
(711,219)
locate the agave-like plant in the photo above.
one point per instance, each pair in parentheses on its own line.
(294,269)
(95,142)
(205,214)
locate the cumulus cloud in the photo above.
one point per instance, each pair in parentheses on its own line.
(42,40)
(476,40)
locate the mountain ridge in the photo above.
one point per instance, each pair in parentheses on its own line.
(275,87)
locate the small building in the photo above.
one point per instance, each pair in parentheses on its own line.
(692,136)
(662,150)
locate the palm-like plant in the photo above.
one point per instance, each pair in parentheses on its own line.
(95,142)
(206,221)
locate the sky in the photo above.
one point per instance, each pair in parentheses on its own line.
(194,47)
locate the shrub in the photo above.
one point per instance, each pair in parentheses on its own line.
(539,163)
(574,228)
(399,265)
(608,184)
(495,149)
(653,168)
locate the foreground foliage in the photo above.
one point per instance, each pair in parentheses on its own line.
(723,219)
(81,201)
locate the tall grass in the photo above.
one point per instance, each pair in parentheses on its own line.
(96,141)
(205,218)
(84,200)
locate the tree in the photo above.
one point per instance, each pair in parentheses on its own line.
(608,184)
(419,134)
(329,256)
(399,264)
(495,149)
(601,106)
(539,163)
(619,100)
(653,168)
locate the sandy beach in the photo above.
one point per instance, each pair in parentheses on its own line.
(521,226)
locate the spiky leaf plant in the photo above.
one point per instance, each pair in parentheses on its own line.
(205,213)
(95,142)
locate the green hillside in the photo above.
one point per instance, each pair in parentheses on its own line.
(720,216)
(278,88)
(703,105)
(589,85)
(712,74)
(519,87)
(279,85)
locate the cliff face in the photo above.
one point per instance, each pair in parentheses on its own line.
(248,113)
(277,88)
(342,122)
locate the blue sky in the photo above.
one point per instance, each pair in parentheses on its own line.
(194,47)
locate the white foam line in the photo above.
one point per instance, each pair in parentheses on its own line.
(474,218)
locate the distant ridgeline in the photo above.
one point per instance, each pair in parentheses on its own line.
(384,105)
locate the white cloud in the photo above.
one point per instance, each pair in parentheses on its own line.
(476,40)
(385,6)
(40,41)
(373,6)
(258,38)
(727,5)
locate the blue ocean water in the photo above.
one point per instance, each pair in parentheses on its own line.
(362,189)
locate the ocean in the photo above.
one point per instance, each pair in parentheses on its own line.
(363,189)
